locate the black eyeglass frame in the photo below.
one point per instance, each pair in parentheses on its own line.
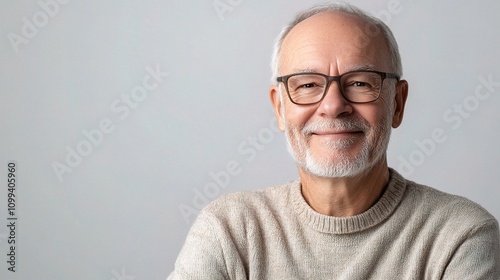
(329,79)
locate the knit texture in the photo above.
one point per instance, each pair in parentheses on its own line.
(412,232)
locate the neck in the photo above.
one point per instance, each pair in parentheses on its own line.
(346,196)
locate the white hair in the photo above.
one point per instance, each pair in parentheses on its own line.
(391,43)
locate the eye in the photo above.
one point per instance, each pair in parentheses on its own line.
(359,84)
(306,83)
(309,85)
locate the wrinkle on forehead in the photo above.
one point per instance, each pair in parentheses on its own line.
(359,67)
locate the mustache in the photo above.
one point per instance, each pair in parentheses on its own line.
(351,123)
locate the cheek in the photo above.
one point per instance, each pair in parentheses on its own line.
(371,114)
(297,116)
(382,113)
(377,118)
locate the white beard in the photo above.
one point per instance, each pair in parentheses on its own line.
(340,164)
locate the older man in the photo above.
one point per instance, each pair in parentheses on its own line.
(337,95)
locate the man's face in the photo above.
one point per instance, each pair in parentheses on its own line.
(336,138)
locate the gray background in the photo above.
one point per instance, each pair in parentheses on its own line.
(206,129)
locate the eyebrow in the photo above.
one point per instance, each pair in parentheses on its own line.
(368,67)
(361,67)
(305,70)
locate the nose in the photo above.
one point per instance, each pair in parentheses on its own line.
(334,104)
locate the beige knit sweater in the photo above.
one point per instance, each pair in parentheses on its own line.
(412,232)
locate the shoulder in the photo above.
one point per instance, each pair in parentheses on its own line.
(455,231)
(445,208)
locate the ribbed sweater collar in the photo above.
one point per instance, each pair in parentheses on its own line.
(344,225)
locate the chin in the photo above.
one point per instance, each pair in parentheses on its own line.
(342,165)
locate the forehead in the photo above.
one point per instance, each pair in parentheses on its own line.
(333,43)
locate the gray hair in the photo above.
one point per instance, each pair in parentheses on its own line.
(391,43)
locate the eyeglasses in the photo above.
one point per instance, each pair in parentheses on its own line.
(355,86)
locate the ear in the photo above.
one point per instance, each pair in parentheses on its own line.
(276,102)
(399,102)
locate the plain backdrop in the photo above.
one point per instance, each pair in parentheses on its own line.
(125,117)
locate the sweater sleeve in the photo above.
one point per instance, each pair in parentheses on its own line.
(207,253)
(478,257)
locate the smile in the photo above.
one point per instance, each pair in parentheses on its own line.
(340,132)
(337,135)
